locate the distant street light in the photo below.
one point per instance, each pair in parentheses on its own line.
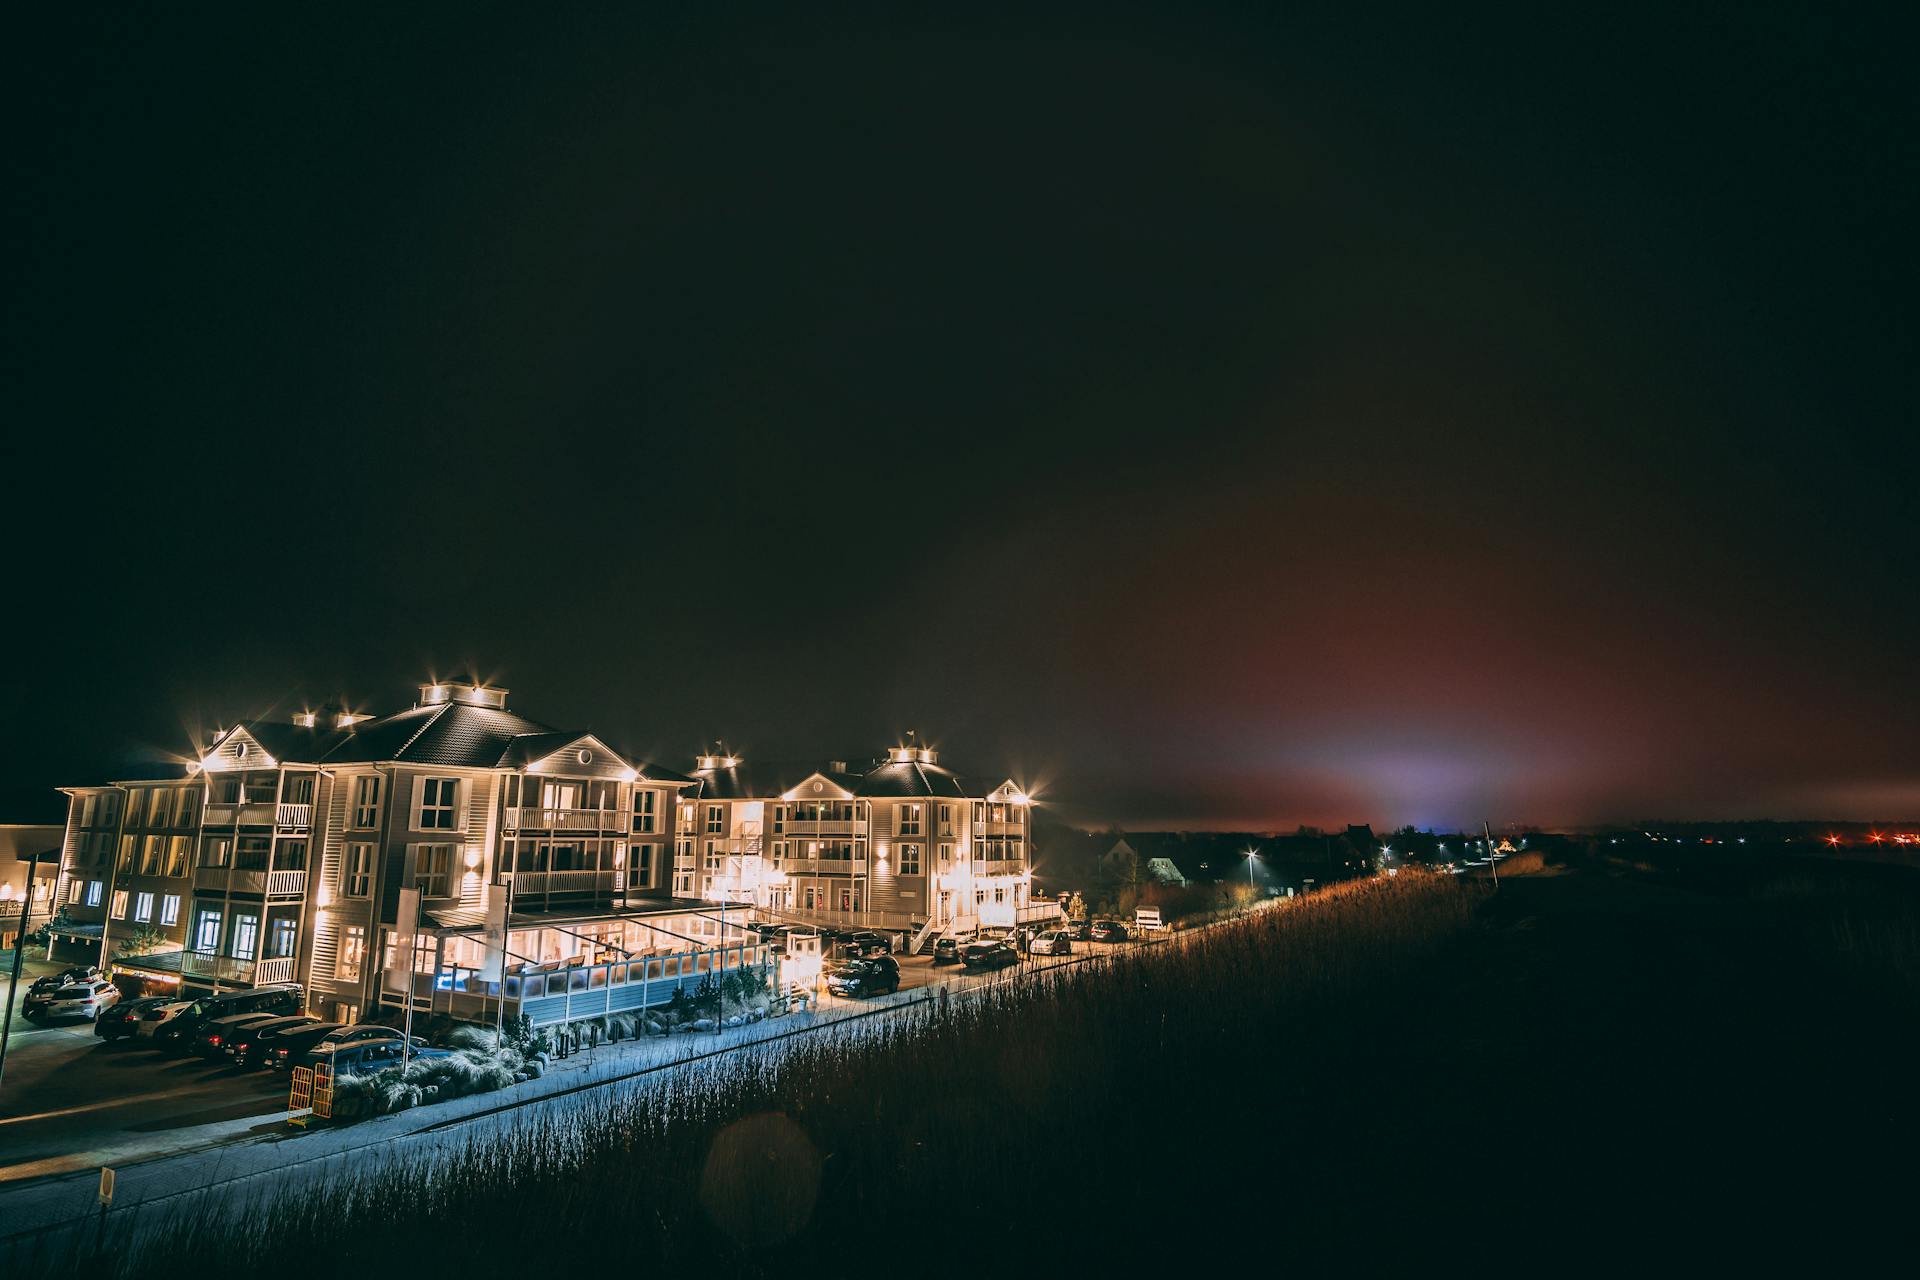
(1250,857)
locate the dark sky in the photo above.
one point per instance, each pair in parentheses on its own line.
(1220,416)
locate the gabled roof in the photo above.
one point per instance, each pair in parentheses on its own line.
(885,781)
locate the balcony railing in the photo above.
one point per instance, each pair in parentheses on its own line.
(257,813)
(999,829)
(295,815)
(534,883)
(822,866)
(287,883)
(198,964)
(825,827)
(569,819)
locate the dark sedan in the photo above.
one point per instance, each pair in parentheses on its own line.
(245,1047)
(1108,931)
(875,976)
(122,1021)
(990,955)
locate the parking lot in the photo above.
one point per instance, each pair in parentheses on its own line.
(73,1101)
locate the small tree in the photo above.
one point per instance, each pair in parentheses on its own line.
(142,939)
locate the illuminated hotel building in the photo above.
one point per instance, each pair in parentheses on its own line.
(900,844)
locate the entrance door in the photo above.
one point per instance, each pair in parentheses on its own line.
(246,936)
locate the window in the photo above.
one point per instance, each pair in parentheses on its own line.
(282,933)
(152,855)
(170,910)
(119,911)
(946,819)
(946,855)
(640,861)
(358,871)
(143,908)
(909,819)
(160,814)
(909,859)
(263,788)
(206,931)
(94,889)
(177,855)
(716,820)
(137,807)
(298,789)
(366,803)
(779,852)
(645,810)
(438,799)
(227,790)
(246,936)
(290,856)
(779,819)
(217,852)
(128,846)
(188,814)
(353,953)
(433,869)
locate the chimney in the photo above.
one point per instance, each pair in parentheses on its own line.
(836,766)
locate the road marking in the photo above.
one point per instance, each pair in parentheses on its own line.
(91,1106)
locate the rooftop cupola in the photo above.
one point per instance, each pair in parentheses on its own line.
(716,762)
(911,755)
(474,695)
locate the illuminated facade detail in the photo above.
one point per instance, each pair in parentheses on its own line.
(897,844)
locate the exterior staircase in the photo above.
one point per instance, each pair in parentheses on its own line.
(923,939)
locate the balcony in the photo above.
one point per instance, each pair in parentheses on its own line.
(533,884)
(999,829)
(610,820)
(294,815)
(257,813)
(822,866)
(834,827)
(286,884)
(196,964)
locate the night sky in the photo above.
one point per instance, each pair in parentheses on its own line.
(1219,417)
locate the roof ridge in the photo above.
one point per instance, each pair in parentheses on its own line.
(425,725)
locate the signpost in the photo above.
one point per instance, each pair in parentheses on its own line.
(106,1203)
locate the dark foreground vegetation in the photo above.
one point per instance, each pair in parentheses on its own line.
(1603,1063)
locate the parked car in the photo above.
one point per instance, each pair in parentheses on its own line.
(210,1040)
(1108,931)
(989,954)
(152,1019)
(874,975)
(360,1032)
(868,942)
(951,948)
(1054,942)
(284,1049)
(1080,930)
(177,1033)
(363,1057)
(78,1000)
(250,1047)
(52,982)
(122,1020)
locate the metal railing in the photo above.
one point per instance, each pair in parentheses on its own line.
(287,882)
(564,993)
(569,819)
(295,815)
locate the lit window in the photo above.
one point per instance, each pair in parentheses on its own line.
(353,953)
(170,910)
(909,859)
(359,871)
(206,931)
(246,936)
(94,889)
(143,908)
(438,800)
(909,819)
(716,819)
(119,911)
(366,801)
(433,869)
(645,807)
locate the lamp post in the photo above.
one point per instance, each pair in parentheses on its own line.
(19,949)
(1250,856)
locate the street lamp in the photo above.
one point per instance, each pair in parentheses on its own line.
(1250,857)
